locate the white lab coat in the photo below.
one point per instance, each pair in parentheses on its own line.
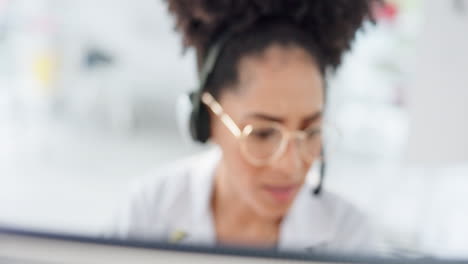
(176,200)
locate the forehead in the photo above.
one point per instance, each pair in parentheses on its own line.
(282,81)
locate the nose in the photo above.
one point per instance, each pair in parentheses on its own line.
(291,163)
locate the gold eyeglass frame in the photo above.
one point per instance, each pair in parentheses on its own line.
(241,134)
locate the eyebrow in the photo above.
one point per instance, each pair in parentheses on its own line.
(314,117)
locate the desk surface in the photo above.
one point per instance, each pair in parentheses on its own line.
(36,250)
(42,248)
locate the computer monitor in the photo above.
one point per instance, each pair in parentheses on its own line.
(26,247)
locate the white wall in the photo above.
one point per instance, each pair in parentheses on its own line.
(438,98)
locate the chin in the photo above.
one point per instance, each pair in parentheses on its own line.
(275,209)
(275,213)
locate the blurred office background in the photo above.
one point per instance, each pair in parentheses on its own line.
(88,93)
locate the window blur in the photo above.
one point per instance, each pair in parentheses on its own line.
(88,104)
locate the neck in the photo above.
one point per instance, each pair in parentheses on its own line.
(237,222)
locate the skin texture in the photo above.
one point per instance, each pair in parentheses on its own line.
(283,83)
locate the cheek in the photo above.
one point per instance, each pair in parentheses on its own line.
(244,172)
(247,177)
(246,181)
(243,176)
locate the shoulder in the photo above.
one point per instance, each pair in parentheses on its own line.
(165,185)
(160,196)
(160,182)
(179,173)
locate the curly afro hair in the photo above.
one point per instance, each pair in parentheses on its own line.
(324,28)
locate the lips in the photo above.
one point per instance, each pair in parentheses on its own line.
(281,193)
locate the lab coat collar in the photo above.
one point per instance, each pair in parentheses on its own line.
(306,226)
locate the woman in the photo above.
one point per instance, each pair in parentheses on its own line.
(262,66)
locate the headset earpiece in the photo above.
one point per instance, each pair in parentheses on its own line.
(199,123)
(184,109)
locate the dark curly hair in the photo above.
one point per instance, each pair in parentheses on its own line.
(324,28)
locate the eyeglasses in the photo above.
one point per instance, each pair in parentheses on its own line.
(265,142)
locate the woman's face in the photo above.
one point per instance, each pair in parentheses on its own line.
(284,86)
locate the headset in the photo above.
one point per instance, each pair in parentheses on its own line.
(199,118)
